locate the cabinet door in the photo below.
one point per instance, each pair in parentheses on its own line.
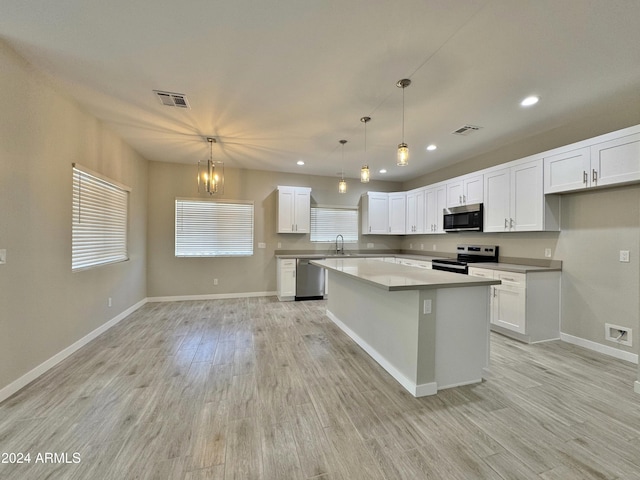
(415,222)
(376,213)
(286,202)
(455,191)
(473,189)
(567,171)
(497,200)
(616,161)
(527,198)
(302,210)
(441,201)
(508,308)
(397,213)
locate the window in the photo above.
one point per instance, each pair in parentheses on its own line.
(329,222)
(99,224)
(214,228)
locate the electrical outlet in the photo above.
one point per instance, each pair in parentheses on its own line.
(411,246)
(624,256)
(109,302)
(547,252)
(369,245)
(422,246)
(279,245)
(215,281)
(426,309)
(262,245)
(434,247)
(3,256)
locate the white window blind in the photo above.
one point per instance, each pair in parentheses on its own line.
(328,222)
(99,224)
(213,228)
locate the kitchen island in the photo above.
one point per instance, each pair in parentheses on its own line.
(427,328)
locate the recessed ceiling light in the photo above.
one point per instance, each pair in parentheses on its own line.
(300,162)
(383,170)
(431,147)
(532,100)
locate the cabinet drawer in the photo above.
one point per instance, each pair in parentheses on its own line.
(481,272)
(513,279)
(288,263)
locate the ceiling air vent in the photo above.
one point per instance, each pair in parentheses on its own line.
(172,99)
(466,130)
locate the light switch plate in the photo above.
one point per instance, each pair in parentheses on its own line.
(624,256)
(427,307)
(547,252)
(262,245)
(3,256)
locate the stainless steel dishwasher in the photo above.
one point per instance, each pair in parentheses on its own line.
(309,280)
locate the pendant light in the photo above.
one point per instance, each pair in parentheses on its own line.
(342,185)
(364,171)
(403,149)
(211,176)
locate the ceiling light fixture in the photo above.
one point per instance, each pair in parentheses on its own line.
(364,171)
(300,162)
(532,100)
(431,147)
(342,185)
(211,176)
(403,149)
(383,170)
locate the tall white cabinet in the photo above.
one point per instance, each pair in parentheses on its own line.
(294,209)
(375,213)
(436,202)
(514,200)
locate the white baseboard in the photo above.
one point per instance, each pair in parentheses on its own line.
(600,348)
(636,386)
(414,389)
(210,296)
(30,376)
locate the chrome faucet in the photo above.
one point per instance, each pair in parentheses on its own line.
(341,250)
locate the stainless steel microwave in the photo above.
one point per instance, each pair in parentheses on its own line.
(465,218)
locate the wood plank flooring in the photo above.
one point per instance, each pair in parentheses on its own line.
(257,389)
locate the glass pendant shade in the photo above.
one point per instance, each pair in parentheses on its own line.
(365,174)
(211,174)
(342,186)
(403,155)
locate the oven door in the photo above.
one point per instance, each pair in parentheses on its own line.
(450,267)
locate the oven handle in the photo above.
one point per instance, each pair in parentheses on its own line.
(445,267)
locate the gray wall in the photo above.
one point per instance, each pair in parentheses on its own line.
(171,276)
(44,307)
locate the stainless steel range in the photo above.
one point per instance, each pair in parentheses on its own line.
(466,254)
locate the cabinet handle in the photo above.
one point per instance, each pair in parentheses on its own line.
(464,199)
(505,224)
(459,198)
(585,178)
(594,176)
(511,222)
(494,291)
(369,229)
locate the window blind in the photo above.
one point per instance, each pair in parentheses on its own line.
(99,224)
(329,222)
(213,228)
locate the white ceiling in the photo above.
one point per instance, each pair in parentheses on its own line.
(277,81)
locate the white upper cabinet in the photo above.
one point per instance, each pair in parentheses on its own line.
(616,161)
(416,214)
(294,209)
(465,190)
(514,200)
(375,213)
(610,159)
(397,213)
(567,171)
(436,202)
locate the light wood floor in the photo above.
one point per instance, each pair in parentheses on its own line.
(257,389)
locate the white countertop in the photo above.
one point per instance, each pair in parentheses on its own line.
(516,268)
(392,277)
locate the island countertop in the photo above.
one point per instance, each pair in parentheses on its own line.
(394,277)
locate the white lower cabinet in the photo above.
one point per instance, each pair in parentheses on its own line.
(286,271)
(525,306)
